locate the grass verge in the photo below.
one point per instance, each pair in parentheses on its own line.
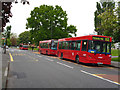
(116,59)
(33,49)
(115,52)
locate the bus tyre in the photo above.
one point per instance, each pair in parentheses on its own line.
(61,56)
(77,59)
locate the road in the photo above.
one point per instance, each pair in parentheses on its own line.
(32,70)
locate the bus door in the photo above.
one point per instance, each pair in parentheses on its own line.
(67,49)
(72,47)
(83,53)
(64,50)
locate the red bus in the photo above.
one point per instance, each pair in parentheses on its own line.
(48,47)
(94,49)
(23,47)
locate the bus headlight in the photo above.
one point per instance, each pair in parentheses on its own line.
(110,56)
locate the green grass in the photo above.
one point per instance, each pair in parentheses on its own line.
(33,49)
(115,52)
(116,59)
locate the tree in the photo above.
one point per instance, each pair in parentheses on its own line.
(9,42)
(6,12)
(106,8)
(24,37)
(72,30)
(116,34)
(48,22)
(8,28)
(13,39)
(6,34)
(108,22)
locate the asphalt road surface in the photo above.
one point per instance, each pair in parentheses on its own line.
(32,70)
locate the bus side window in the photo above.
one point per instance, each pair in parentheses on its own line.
(59,45)
(78,45)
(49,45)
(46,45)
(43,45)
(84,45)
(69,43)
(73,46)
(66,45)
(63,45)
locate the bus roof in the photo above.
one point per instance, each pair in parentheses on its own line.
(88,37)
(47,41)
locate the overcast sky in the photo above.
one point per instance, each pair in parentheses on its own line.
(80,13)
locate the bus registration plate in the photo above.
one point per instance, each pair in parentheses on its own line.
(99,63)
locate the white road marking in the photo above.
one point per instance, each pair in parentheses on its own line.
(39,56)
(65,65)
(49,59)
(6,71)
(100,77)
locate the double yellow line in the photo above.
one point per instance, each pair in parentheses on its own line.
(11,58)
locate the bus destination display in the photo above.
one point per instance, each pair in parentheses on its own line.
(101,38)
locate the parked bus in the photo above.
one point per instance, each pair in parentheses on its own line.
(23,47)
(48,47)
(94,49)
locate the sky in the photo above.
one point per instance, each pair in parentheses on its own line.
(80,14)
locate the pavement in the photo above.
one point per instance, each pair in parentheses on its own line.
(4,64)
(115,64)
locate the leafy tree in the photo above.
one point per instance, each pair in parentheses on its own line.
(108,22)
(9,42)
(8,28)
(6,33)
(72,29)
(48,22)
(116,34)
(106,8)
(13,39)
(24,37)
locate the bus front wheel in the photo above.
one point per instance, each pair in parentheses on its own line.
(40,52)
(77,59)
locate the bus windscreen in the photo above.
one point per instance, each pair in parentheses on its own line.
(54,45)
(99,47)
(25,46)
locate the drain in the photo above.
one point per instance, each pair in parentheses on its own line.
(17,75)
